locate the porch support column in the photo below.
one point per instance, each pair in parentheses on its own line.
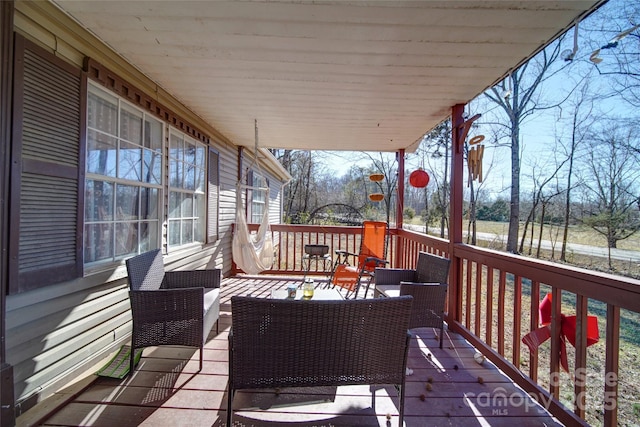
(398,261)
(455,210)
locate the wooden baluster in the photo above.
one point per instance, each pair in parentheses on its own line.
(611,366)
(489,312)
(501,296)
(581,356)
(517,320)
(478,305)
(554,367)
(534,324)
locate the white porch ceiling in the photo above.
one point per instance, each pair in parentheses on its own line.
(330,75)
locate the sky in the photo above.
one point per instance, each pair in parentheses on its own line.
(540,132)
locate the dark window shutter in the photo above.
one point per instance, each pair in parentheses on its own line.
(46,246)
(213,199)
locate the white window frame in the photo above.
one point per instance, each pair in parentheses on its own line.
(112,225)
(187,189)
(258,198)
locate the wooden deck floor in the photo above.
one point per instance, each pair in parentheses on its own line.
(447,388)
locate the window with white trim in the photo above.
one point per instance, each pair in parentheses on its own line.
(123,188)
(258,198)
(187,185)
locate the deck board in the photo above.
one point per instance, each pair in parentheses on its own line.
(167,389)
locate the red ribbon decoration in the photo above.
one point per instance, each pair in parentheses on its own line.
(567,331)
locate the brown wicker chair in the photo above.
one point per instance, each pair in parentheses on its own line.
(427,284)
(287,343)
(428,304)
(429,269)
(171,308)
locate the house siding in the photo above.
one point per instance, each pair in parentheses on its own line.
(54,333)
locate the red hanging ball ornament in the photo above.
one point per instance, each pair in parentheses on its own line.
(419,178)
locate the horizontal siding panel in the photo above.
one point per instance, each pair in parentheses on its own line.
(227,205)
(123,332)
(96,349)
(100,323)
(63,310)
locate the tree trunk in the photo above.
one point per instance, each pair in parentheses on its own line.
(445,199)
(544,208)
(472,215)
(514,215)
(567,201)
(526,227)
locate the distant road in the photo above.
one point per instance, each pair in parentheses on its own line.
(619,254)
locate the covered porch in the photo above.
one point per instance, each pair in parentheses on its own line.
(370,85)
(492,304)
(447,387)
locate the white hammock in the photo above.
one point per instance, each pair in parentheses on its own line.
(253,253)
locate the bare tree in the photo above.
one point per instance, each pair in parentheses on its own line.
(389,168)
(614,210)
(580,120)
(612,38)
(515,96)
(435,151)
(540,198)
(310,187)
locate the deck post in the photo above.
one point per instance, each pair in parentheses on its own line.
(455,211)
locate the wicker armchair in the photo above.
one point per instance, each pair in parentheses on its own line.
(171,308)
(429,269)
(428,304)
(427,284)
(287,343)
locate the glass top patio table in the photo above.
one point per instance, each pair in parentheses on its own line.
(386,291)
(318,294)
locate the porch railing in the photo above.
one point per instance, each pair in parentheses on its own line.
(290,240)
(495,303)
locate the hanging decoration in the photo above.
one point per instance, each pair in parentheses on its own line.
(595,55)
(376,177)
(419,178)
(568,326)
(474,159)
(252,252)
